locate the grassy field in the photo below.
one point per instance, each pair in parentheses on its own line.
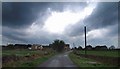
(32,63)
(21,52)
(85,62)
(29,58)
(111,53)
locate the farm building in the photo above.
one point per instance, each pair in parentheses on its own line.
(67,47)
(36,47)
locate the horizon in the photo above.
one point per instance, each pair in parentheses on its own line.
(65,43)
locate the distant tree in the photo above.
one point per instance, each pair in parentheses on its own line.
(89,47)
(61,45)
(58,45)
(112,47)
(75,48)
(104,47)
(79,48)
(10,46)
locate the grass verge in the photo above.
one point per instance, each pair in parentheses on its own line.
(85,62)
(108,53)
(35,62)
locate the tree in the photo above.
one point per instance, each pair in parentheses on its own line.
(75,48)
(58,45)
(79,48)
(112,47)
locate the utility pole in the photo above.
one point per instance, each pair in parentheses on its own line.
(85,40)
(73,45)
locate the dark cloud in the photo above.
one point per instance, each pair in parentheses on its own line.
(104,15)
(13,34)
(69,5)
(118,18)
(22,14)
(19,16)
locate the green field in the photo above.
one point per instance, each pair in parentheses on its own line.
(86,62)
(20,52)
(109,53)
(30,63)
(36,57)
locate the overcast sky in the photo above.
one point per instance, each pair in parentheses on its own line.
(43,22)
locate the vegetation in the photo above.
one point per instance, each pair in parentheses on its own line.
(22,52)
(109,53)
(25,58)
(85,62)
(104,56)
(35,62)
(58,45)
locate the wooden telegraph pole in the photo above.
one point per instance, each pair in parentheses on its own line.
(74,46)
(85,40)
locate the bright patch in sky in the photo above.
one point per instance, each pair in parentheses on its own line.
(97,33)
(58,21)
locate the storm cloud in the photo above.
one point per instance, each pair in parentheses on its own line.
(105,15)
(23,22)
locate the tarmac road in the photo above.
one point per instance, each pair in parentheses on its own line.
(61,60)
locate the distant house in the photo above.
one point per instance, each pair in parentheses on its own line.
(112,47)
(66,47)
(36,47)
(89,47)
(40,47)
(101,47)
(46,47)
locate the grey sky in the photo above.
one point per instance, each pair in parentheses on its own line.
(24,22)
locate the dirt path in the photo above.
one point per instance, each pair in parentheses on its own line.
(61,60)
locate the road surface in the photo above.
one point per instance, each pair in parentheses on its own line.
(61,60)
